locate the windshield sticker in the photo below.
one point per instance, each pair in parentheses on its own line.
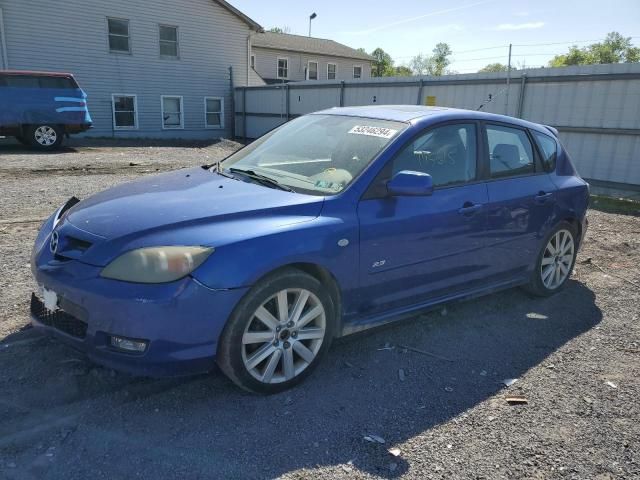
(381,132)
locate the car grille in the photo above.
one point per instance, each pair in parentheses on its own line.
(60,320)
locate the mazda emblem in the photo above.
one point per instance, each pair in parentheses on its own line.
(53,243)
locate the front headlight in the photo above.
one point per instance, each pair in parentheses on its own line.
(156,264)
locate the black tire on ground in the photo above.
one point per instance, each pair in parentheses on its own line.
(44,136)
(22,140)
(536,285)
(230,348)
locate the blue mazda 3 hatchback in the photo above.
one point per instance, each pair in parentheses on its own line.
(332,223)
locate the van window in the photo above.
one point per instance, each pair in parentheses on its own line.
(22,81)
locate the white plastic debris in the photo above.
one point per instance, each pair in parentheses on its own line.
(612,385)
(395,451)
(509,381)
(374,438)
(401,375)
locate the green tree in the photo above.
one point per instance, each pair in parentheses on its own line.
(436,64)
(284,29)
(614,49)
(494,67)
(440,58)
(403,71)
(382,64)
(421,65)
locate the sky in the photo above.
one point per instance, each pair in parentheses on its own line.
(478,31)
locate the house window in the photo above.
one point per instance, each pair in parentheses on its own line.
(125,112)
(214,112)
(172,116)
(331,71)
(253,62)
(312,71)
(118,35)
(283,68)
(357,71)
(168,41)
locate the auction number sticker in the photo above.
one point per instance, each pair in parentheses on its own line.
(381,132)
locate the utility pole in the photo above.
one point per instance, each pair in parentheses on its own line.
(311,17)
(506,101)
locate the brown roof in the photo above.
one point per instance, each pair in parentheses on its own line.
(299,43)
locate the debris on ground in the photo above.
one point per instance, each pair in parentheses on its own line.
(516,400)
(509,381)
(612,385)
(374,438)
(387,346)
(395,451)
(401,375)
(423,352)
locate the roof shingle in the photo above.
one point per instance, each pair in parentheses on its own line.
(299,43)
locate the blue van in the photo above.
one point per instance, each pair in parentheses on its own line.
(40,108)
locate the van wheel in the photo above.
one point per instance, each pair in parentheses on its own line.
(44,137)
(22,140)
(278,333)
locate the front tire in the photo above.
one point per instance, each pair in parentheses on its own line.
(44,136)
(555,261)
(278,333)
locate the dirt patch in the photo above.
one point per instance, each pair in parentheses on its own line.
(576,358)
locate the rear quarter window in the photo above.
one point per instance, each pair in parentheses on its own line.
(36,81)
(548,148)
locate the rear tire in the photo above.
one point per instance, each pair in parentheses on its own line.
(278,333)
(555,261)
(44,136)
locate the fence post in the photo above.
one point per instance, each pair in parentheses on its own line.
(244,114)
(523,83)
(287,101)
(233,103)
(342,93)
(419,100)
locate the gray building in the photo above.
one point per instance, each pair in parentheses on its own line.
(153,68)
(281,57)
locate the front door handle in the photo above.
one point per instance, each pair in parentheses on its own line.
(543,197)
(469,208)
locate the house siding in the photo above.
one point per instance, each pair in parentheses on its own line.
(267,64)
(72,37)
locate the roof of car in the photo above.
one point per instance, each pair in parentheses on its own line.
(39,74)
(411,113)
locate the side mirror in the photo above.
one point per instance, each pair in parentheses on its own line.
(410,183)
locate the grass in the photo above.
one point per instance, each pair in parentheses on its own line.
(615,205)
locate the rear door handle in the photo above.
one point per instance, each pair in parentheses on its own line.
(470,208)
(543,197)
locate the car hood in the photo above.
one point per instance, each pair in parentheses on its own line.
(182,199)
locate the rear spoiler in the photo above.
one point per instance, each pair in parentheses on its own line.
(552,130)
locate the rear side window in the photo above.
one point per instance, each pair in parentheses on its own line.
(35,81)
(510,152)
(22,81)
(549,148)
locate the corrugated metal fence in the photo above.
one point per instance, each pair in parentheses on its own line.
(596,108)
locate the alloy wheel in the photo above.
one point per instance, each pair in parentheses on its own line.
(557,259)
(284,336)
(45,135)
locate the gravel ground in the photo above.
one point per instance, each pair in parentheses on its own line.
(575,355)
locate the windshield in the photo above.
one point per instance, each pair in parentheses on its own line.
(316,154)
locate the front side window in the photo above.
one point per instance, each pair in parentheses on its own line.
(168,41)
(357,71)
(172,112)
(510,152)
(283,68)
(549,148)
(118,35)
(124,112)
(316,154)
(312,71)
(447,153)
(214,112)
(331,71)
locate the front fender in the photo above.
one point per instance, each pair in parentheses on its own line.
(327,242)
